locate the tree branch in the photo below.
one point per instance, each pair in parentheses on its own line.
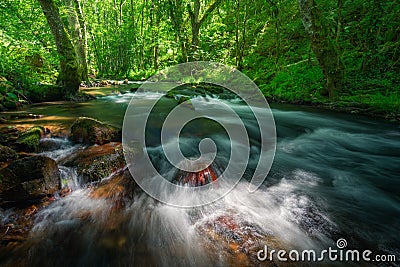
(209,10)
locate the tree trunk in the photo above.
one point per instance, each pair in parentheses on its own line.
(69,71)
(324,49)
(76,32)
(176,15)
(240,34)
(274,4)
(142,39)
(196,22)
(82,23)
(195,25)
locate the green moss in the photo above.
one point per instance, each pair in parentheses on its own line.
(102,166)
(28,141)
(42,93)
(91,131)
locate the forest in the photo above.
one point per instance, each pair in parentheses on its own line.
(335,53)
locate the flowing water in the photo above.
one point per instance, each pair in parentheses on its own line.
(334,176)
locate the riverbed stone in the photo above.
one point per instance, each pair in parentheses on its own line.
(120,189)
(29,178)
(237,240)
(96,162)
(7,154)
(28,141)
(91,131)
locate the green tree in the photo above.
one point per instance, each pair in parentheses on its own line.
(77,30)
(323,48)
(196,21)
(69,76)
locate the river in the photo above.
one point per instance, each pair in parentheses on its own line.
(334,176)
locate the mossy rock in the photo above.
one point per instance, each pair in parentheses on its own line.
(45,93)
(90,131)
(29,140)
(7,154)
(29,178)
(196,90)
(97,162)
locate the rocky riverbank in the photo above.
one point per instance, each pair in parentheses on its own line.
(30,180)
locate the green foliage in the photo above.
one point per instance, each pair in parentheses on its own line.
(25,51)
(140,75)
(264,39)
(294,83)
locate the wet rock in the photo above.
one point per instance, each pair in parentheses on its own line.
(90,131)
(237,240)
(7,154)
(187,91)
(15,225)
(96,162)
(28,140)
(29,178)
(203,177)
(51,144)
(119,189)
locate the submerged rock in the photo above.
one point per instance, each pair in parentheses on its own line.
(207,175)
(119,189)
(90,131)
(199,178)
(29,178)
(237,240)
(51,144)
(190,90)
(15,225)
(28,140)
(96,162)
